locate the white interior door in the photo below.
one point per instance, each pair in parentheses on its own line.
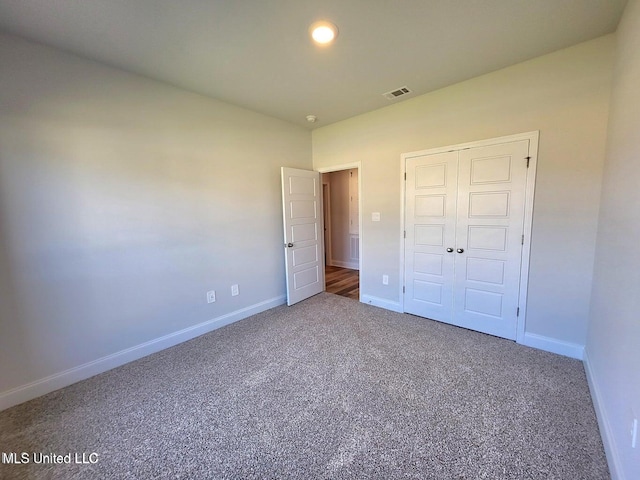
(302,218)
(464,223)
(431,189)
(491,201)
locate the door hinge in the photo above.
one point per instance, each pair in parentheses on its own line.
(405,176)
(522,241)
(403,291)
(528,160)
(351,174)
(518,312)
(405,234)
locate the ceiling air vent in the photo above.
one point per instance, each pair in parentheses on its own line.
(398,92)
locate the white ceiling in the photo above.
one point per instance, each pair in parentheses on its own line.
(257,53)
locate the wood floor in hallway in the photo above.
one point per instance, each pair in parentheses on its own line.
(343,281)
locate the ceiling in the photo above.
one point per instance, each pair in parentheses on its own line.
(257,53)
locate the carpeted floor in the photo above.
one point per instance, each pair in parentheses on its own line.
(329,388)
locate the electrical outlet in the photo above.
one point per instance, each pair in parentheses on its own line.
(234,290)
(634,433)
(211,296)
(385,279)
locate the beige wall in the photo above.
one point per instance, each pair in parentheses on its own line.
(122,201)
(613,346)
(565,96)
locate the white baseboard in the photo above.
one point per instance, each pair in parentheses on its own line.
(381,302)
(341,264)
(59,380)
(548,344)
(608,440)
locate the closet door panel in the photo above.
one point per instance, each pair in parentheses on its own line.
(430,222)
(490,219)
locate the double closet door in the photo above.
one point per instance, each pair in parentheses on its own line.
(464,223)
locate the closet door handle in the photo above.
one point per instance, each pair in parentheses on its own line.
(460,250)
(449,249)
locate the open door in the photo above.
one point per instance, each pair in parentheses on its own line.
(302,218)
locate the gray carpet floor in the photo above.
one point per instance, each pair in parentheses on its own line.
(329,389)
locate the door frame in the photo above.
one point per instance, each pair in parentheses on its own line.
(349,166)
(533,138)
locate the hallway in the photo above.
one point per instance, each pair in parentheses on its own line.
(343,281)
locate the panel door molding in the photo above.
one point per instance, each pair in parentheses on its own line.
(467,215)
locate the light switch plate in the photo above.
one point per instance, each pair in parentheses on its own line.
(375,217)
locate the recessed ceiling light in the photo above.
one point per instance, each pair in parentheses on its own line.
(323,32)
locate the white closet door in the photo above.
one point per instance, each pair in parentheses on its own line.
(431,189)
(491,202)
(464,223)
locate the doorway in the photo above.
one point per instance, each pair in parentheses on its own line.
(342,238)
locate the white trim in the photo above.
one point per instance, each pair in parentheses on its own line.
(63,379)
(360,177)
(381,302)
(553,345)
(608,439)
(341,264)
(533,138)
(476,143)
(403,199)
(337,168)
(527,232)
